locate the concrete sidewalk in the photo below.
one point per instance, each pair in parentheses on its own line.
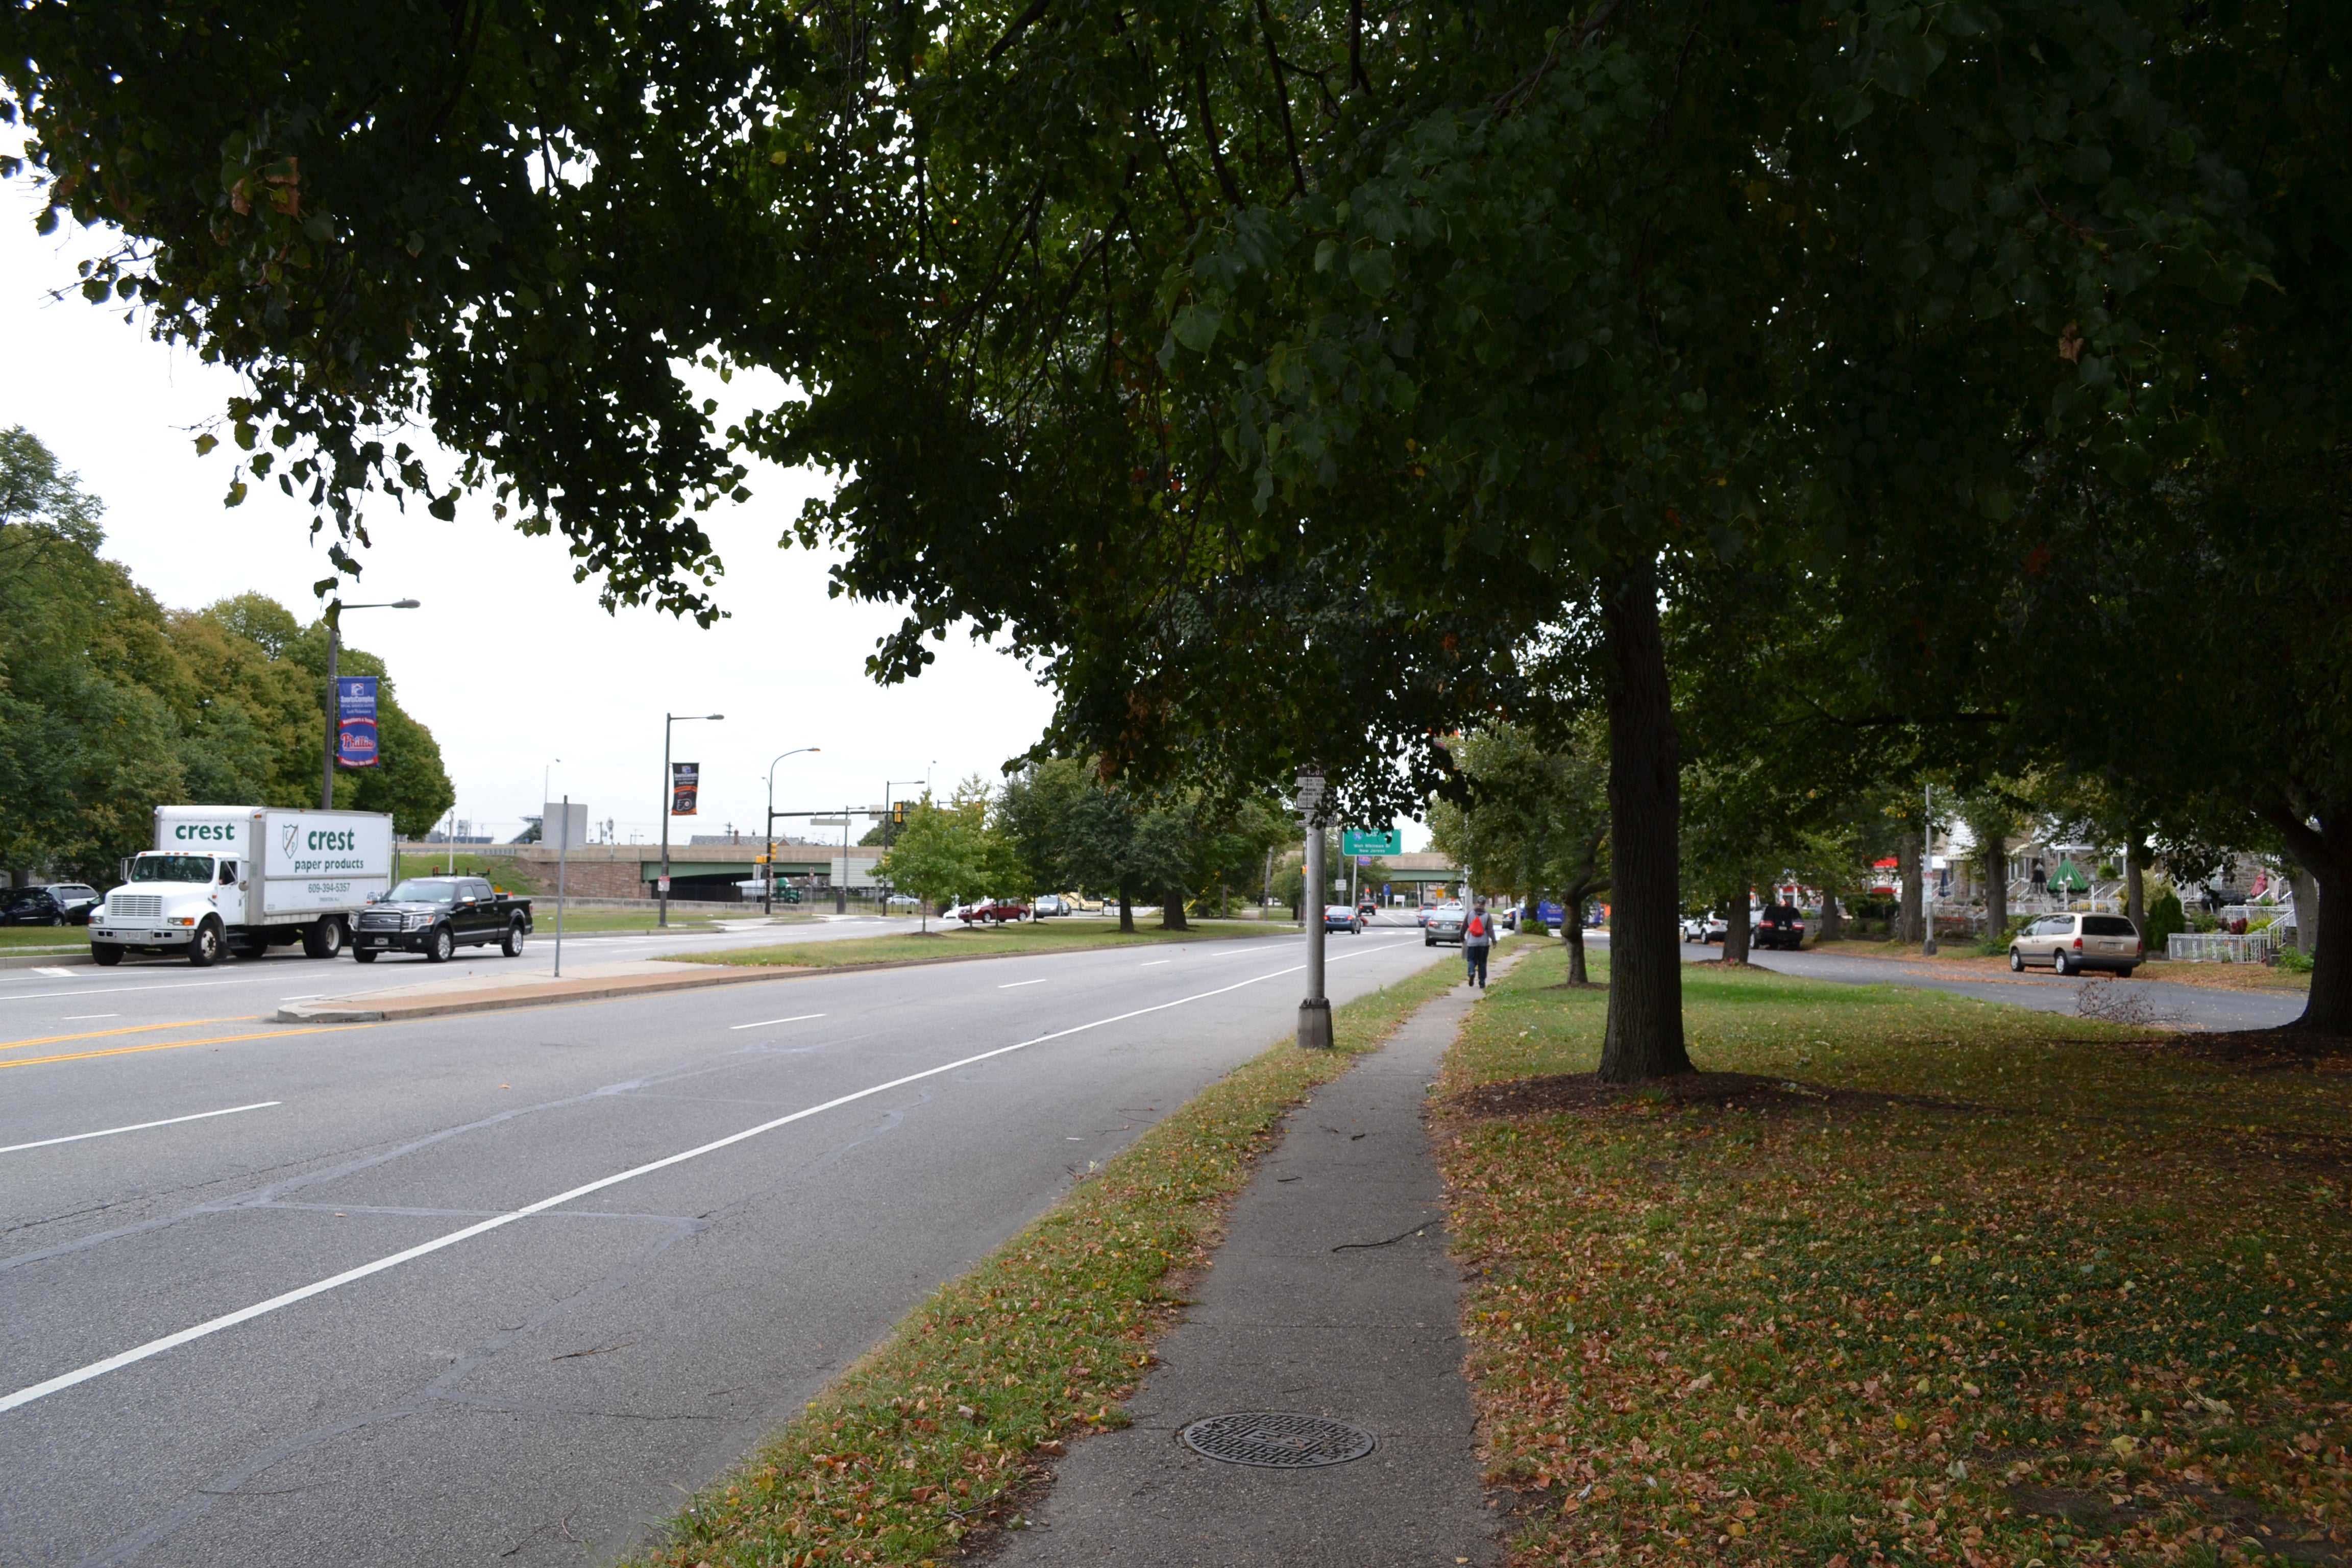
(1370,1336)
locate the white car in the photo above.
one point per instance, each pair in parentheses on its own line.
(1708,927)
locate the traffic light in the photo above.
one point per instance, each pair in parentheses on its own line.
(898,814)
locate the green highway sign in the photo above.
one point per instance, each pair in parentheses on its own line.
(1352,842)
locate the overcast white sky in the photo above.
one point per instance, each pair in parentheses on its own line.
(510,663)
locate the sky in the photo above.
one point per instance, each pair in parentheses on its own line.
(526,681)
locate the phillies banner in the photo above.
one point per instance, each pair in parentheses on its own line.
(684,783)
(355,737)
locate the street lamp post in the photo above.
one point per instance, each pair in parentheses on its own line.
(662,888)
(1315,1009)
(767,896)
(334,699)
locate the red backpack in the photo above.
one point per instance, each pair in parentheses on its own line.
(1478,925)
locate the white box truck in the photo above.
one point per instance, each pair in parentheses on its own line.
(245,879)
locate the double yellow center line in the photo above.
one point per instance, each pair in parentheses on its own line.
(159,1046)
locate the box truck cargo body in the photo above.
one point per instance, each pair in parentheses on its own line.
(243,878)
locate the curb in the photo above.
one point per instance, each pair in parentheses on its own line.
(44,960)
(635,985)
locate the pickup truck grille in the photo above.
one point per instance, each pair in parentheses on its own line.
(135,906)
(386,921)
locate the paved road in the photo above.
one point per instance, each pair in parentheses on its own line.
(676,1219)
(2190,1006)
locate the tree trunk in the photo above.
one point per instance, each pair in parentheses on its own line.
(1644,1038)
(1735,929)
(1572,932)
(1125,910)
(1833,922)
(1993,858)
(1171,910)
(2135,881)
(2325,853)
(2307,911)
(1910,921)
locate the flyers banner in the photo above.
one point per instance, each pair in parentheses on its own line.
(684,783)
(355,737)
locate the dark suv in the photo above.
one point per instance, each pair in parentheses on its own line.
(1780,926)
(48,904)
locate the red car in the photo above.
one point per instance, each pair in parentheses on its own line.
(992,911)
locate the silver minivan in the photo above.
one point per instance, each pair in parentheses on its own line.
(2072,943)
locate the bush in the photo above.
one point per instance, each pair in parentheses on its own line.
(2294,960)
(2165,917)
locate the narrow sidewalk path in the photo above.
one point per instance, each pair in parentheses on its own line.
(1370,1336)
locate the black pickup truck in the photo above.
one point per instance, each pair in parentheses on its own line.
(438,915)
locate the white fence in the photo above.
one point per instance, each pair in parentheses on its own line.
(2221,947)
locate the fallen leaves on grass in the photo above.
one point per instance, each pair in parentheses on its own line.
(2052,1328)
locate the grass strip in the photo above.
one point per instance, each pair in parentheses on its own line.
(924,1439)
(1996,1287)
(980,941)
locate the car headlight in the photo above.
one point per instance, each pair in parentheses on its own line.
(415,922)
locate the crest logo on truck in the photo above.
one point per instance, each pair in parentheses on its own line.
(208,832)
(293,831)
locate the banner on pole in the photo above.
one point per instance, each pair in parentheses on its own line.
(355,732)
(685,785)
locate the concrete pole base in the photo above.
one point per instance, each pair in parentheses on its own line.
(1314,1025)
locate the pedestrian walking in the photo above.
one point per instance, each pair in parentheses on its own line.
(1477,936)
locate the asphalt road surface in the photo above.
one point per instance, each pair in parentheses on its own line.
(2186,1006)
(495,1289)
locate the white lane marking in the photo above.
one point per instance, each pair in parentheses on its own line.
(85,1017)
(770,1023)
(141,1126)
(1014,985)
(53,972)
(1158,961)
(306,997)
(119,990)
(137,1353)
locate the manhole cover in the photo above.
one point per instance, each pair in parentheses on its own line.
(1277,1439)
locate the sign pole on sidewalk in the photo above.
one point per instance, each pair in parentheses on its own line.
(1315,1010)
(562,853)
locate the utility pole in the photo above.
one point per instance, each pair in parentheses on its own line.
(1315,1009)
(563,852)
(768,880)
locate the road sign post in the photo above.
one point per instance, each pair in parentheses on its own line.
(1315,1009)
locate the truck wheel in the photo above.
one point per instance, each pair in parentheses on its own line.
(512,945)
(106,954)
(323,938)
(364,954)
(204,948)
(439,945)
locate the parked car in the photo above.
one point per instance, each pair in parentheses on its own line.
(1340,917)
(48,904)
(901,901)
(1444,924)
(2071,943)
(1780,926)
(992,911)
(1708,927)
(1081,904)
(438,915)
(1050,904)
(1421,918)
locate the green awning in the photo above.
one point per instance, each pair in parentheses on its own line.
(2069,875)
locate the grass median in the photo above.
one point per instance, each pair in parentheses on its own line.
(1942,1282)
(927,1437)
(979,942)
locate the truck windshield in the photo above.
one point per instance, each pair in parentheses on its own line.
(171,869)
(417,891)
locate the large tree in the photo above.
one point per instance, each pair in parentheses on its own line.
(1265,375)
